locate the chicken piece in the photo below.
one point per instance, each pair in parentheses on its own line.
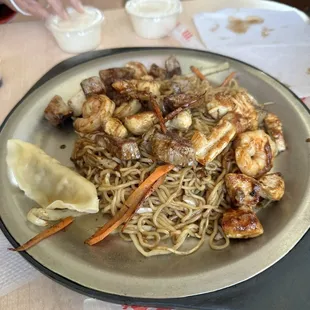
(57,111)
(254,153)
(114,127)
(132,86)
(124,149)
(239,101)
(274,128)
(157,72)
(173,67)
(207,148)
(127,109)
(241,223)
(242,190)
(92,86)
(139,69)
(140,123)
(109,76)
(173,150)
(76,103)
(181,122)
(272,186)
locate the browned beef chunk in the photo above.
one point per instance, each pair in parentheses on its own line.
(173,67)
(124,149)
(92,86)
(173,150)
(109,76)
(158,72)
(57,111)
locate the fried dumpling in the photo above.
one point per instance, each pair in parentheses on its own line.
(47,182)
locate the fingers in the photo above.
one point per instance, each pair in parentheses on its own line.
(33,7)
(77,5)
(58,8)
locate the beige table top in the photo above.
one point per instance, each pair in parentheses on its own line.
(27,51)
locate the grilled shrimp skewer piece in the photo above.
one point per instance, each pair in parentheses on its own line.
(255,152)
(274,128)
(132,86)
(97,113)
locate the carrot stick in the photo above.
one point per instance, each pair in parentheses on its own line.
(153,188)
(44,234)
(228,79)
(130,205)
(159,115)
(198,73)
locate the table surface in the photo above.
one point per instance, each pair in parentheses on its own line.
(27,52)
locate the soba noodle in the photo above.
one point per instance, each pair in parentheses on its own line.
(189,203)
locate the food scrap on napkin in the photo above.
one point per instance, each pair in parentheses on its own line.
(277,42)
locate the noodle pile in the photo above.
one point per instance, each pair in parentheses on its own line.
(188,204)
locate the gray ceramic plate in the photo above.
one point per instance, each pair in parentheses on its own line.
(115,266)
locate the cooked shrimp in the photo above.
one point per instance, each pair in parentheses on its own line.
(240,102)
(254,154)
(241,223)
(140,123)
(91,106)
(127,109)
(207,148)
(151,87)
(96,111)
(182,121)
(242,190)
(274,128)
(138,67)
(87,125)
(272,186)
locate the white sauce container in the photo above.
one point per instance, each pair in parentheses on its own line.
(80,33)
(153,19)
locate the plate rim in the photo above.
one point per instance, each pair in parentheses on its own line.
(69,64)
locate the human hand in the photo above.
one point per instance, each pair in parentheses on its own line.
(37,9)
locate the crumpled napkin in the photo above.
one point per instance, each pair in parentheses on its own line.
(15,271)
(274,41)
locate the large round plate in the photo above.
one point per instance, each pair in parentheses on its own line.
(115,266)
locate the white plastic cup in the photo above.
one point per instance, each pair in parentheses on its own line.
(81,33)
(154,19)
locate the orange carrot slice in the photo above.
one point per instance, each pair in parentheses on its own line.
(130,205)
(228,79)
(44,234)
(198,73)
(153,188)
